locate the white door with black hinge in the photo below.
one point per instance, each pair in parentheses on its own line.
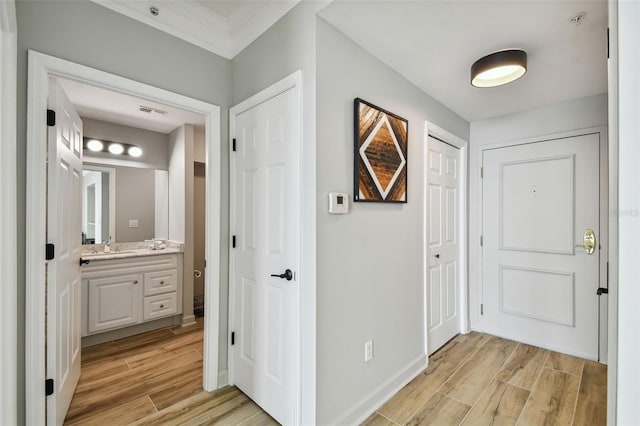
(64,231)
(443,243)
(264,289)
(541,243)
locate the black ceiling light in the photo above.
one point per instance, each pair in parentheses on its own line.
(499,68)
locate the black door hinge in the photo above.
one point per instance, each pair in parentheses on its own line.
(233,241)
(205,263)
(481,309)
(51,117)
(608,43)
(48,387)
(50,251)
(233,338)
(234,144)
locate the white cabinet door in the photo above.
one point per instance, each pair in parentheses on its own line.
(539,283)
(114,302)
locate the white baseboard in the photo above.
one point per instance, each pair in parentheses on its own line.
(188,320)
(368,405)
(223,378)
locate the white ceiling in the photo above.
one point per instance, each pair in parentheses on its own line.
(118,108)
(433,44)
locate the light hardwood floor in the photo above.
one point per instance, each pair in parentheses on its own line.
(155,378)
(476,379)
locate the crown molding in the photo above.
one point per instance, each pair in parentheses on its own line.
(198,24)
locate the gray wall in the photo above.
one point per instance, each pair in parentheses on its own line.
(154,145)
(135,199)
(370,261)
(91,35)
(288,46)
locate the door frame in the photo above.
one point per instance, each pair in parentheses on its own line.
(41,68)
(476,285)
(307,331)
(8,216)
(447,137)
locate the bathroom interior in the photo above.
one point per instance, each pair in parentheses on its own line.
(143,234)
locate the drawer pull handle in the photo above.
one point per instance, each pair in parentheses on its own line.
(135,281)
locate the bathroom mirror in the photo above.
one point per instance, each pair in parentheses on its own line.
(124,204)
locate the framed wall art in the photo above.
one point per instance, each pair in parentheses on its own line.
(380,154)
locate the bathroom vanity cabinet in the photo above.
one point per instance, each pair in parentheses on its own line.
(127,291)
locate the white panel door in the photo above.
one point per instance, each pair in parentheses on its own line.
(539,284)
(265,222)
(443,248)
(64,230)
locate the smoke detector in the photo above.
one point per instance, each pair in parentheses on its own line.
(577,18)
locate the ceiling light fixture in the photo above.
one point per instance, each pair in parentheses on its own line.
(134,151)
(116,148)
(95,145)
(499,68)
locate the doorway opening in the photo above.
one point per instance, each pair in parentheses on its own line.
(42,69)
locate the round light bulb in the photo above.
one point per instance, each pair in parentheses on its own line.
(134,151)
(95,145)
(116,148)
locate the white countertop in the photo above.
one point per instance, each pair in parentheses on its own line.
(126,250)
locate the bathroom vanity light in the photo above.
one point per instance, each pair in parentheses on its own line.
(134,151)
(116,148)
(95,145)
(499,68)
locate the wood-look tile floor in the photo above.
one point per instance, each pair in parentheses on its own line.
(477,379)
(155,378)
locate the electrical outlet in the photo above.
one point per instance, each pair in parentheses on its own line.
(368,351)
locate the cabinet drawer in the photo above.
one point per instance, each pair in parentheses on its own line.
(159,306)
(160,282)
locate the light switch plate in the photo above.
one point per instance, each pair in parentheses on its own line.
(133,223)
(338,203)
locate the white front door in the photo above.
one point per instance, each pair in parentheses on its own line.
(64,230)
(264,223)
(443,251)
(539,283)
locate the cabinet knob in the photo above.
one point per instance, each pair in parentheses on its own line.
(135,281)
(161,306)
(161,282)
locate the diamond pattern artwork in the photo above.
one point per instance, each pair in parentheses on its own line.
(380,155)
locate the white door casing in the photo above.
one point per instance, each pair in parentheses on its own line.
(443,243)
(265,208)
(538,287)
(41,68)
(64,212)
(8,215)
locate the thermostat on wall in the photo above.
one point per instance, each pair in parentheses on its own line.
(338,203)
